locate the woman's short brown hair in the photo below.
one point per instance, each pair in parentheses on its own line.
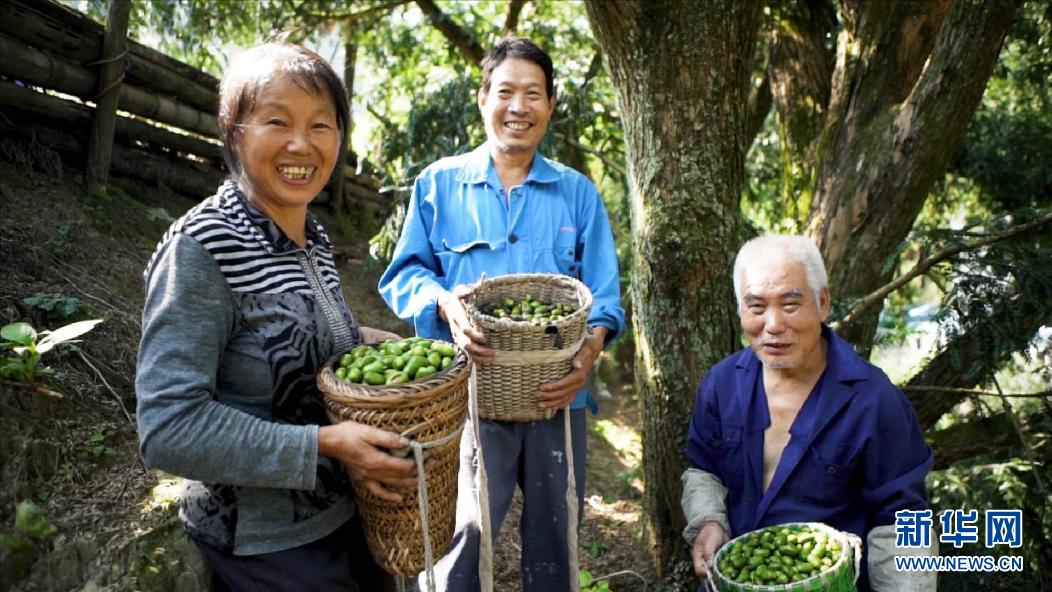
(253,69)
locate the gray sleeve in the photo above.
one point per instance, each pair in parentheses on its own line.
(183,430)
(883,576)
(703,501)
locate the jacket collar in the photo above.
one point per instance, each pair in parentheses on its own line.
(834,390)
(265,230)
(845,364)
(479,169)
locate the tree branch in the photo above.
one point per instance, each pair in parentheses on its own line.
(353,17)
(511,18)
(606,159)
(877,296)
(947,367)
(460,37)
(968,391)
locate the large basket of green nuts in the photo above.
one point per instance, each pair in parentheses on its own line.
(419,389)
(795,557)
(536,323)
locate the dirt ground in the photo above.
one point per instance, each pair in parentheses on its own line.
(76,457)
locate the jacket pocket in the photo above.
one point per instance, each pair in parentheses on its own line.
(464,262)
(828,472)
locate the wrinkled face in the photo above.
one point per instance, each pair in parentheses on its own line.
(288,145)
(779,313)
(517,108)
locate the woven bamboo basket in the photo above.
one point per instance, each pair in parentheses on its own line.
(423,411)
(508,392)
(840,577)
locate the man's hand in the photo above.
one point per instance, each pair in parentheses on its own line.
(451,309)
(710,539)
(559,394)
(363,451)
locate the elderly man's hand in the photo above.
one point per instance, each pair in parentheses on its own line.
(451,309)
(559,394)
(710,539)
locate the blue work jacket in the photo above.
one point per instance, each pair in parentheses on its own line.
(855,456)
(459,225)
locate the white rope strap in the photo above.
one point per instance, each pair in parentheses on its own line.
(571,507)
(531,358)
(481,492)
(418,449)
(856,547)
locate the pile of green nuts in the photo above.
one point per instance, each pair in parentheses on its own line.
(528,310)
(779,555)
(395,362)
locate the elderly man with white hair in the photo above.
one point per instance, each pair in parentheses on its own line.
(798,428)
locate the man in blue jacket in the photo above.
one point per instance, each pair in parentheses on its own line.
(503,209)
(798,428)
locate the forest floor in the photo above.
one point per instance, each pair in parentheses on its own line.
(75,459)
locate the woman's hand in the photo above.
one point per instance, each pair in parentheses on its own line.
(451,309)
(370,335)
(559,394)
(363,450)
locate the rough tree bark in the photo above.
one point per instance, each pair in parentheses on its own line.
(908,77)
(681,76)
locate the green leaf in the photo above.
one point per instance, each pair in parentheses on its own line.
(22,333)
(13,368)
(586,577)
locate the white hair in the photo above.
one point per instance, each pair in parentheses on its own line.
(788,247)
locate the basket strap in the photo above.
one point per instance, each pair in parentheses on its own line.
(710,584)
(481,492)
(855,543)
(530,358)
(571,507)
(421,497)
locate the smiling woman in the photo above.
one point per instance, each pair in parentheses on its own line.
(243,307)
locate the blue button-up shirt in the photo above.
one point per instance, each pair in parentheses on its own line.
(460,224)
(856,452)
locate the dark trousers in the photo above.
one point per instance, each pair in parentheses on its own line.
(339,562)
(529,456)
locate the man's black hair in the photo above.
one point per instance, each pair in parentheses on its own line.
(519,48)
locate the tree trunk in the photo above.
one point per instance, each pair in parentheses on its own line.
(111,75)
(908,78)
(800,67)
(681,76)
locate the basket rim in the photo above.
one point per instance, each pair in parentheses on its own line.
(844,556)
(368,393)
(491,322)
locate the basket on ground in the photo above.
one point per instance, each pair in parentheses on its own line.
(840,576)
(528,354)
(424,411)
